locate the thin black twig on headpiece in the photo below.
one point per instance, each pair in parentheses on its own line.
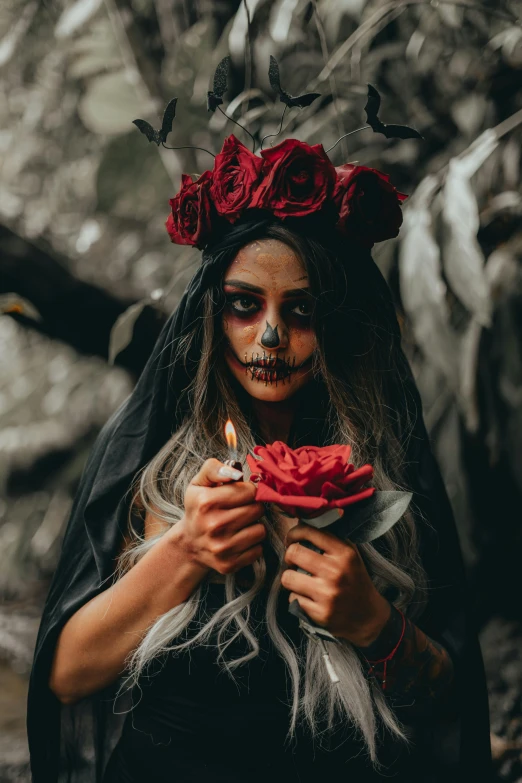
(241,126)
(290,100)
(159,136)
(390,131)
(248,56)
(189,147)
(280,127)
(219,88)
(345,135)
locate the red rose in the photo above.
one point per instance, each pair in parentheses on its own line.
(310,479)
(235,175)
(299,179)
(189,220)
(369,205)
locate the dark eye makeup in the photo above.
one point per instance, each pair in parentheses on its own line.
(304,309)
(245,306)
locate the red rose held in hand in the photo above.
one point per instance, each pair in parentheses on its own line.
(189,220)
(236,173)
(299,179)
(308,480)
(369,205)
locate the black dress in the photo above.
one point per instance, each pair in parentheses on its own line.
(193,723)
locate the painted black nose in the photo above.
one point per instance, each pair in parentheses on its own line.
(270,337)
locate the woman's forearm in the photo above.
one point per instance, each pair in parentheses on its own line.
(94,644)
(420,674)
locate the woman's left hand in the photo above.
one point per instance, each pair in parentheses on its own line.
(339,595)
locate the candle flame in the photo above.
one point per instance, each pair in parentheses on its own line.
(230,435)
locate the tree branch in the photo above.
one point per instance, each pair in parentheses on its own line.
(78,313)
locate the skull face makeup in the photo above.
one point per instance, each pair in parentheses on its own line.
(267,320)
(270,338)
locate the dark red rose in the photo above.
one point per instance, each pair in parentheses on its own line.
(189,220)
(298,180)
(369,205)
(310,479)
(235,175)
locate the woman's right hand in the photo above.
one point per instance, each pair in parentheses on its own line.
(220,529)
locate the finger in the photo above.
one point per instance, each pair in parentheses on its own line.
(303,557)
(306,604)
(213,472)
(234,494)
(246,538)
(328,542)
(248,557)
(229,521)
(299,583)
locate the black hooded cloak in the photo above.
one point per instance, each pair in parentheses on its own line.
(73,743)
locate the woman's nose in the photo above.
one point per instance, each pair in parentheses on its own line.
(270,337)
(273,335)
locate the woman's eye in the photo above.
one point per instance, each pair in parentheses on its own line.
(303,309)
(243,304)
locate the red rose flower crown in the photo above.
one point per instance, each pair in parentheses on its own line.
(291,180)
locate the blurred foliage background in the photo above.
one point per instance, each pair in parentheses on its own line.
(87,274)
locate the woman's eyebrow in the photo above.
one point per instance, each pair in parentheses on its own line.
(257,290)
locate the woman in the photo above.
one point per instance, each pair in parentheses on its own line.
(289,329)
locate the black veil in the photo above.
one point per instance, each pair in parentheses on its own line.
(73,743)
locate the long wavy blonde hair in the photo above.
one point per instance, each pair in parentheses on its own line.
(364,412)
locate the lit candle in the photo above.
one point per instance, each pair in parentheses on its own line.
(231,438)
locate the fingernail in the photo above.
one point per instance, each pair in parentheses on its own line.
(232,473)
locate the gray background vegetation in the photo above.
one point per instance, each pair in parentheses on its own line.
(87,274)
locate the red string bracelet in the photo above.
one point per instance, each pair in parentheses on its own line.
(390,656)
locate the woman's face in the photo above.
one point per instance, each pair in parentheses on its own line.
(267,320)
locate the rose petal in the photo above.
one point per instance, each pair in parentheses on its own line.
(363,473)
(351,499)
(265,494)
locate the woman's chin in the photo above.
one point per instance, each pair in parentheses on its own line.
(270,391)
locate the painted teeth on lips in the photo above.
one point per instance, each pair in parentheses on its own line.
(270,362)
(273,363)
(280,372)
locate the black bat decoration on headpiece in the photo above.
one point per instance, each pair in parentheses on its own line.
(285,97)
(219,88)
(372,107)
(159,136)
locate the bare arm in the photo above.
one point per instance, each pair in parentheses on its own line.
(217,532)
(420,675)
(95,642)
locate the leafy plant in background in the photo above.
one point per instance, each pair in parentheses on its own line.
(76,178)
